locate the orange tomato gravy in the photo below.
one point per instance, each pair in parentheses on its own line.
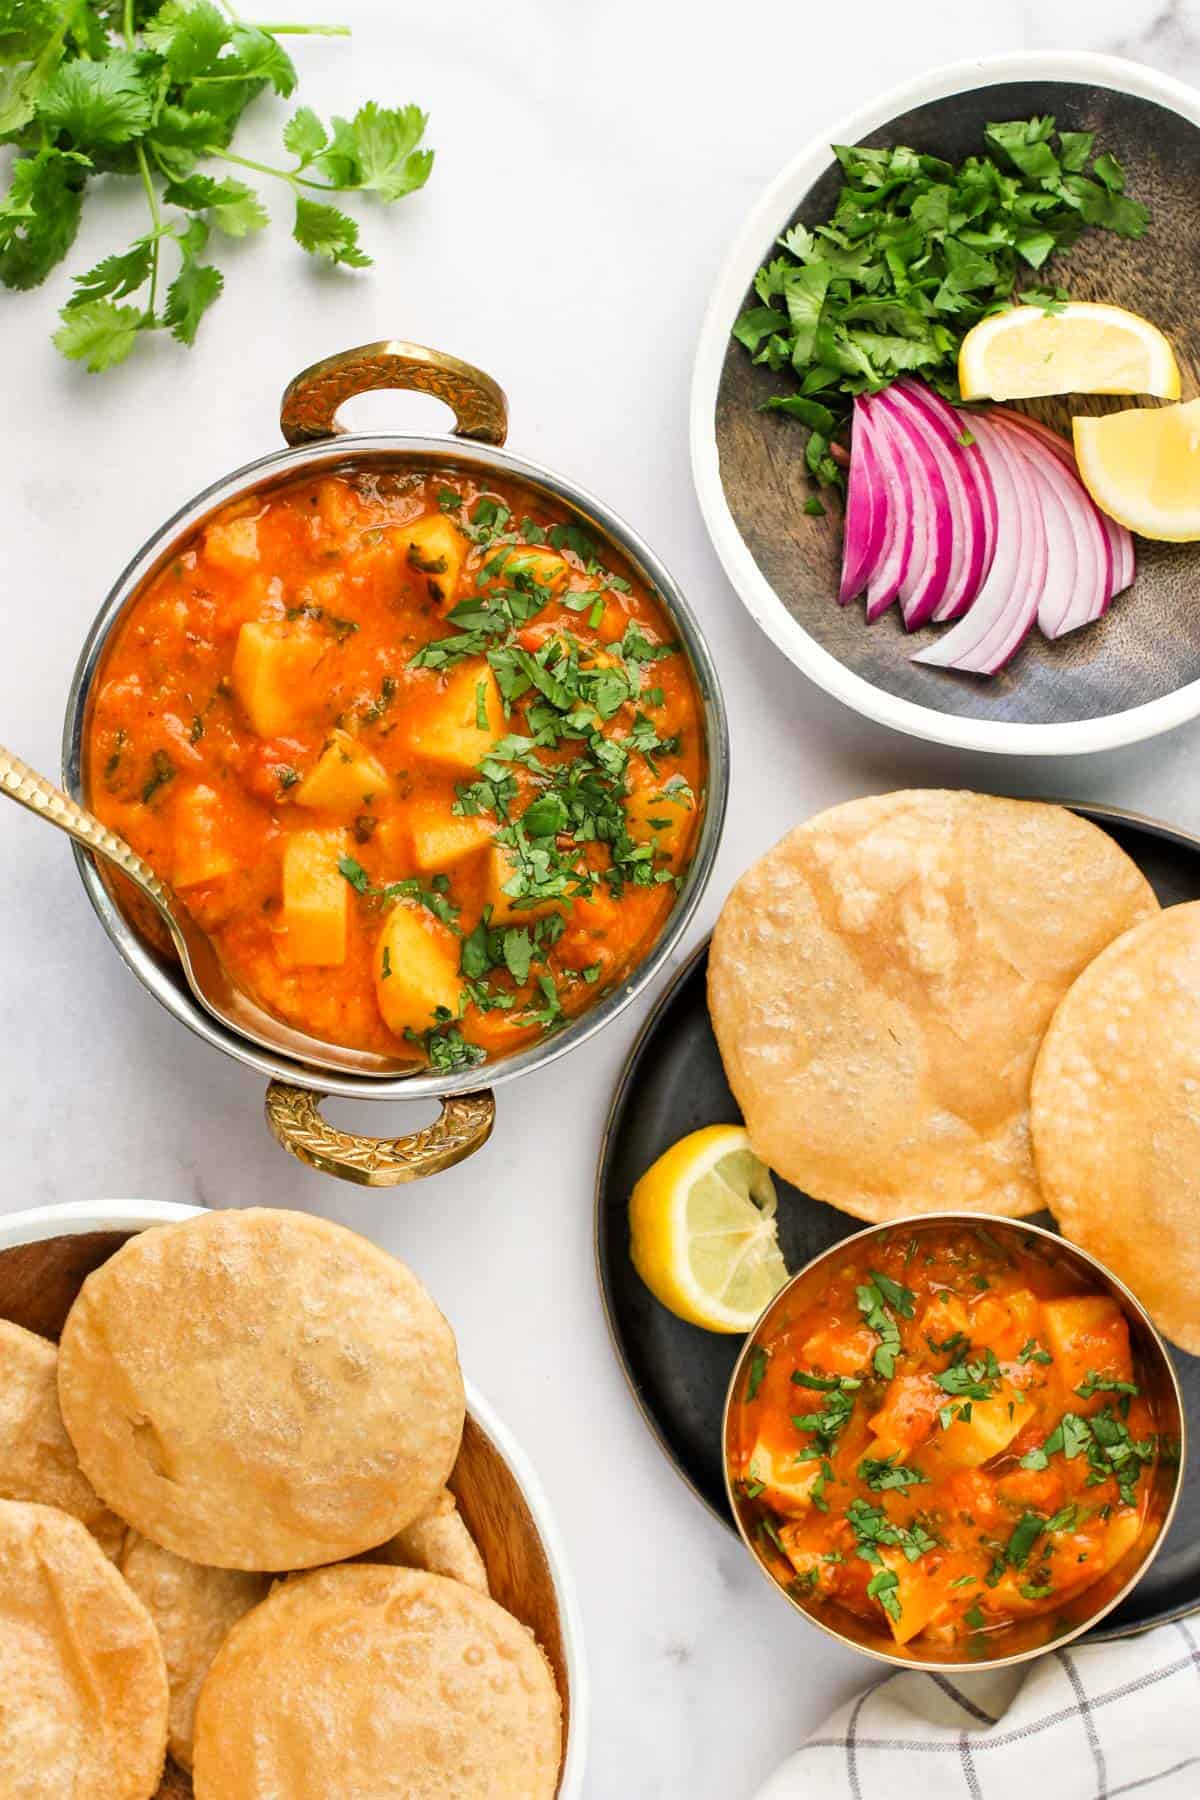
(947,1437)
(350,825)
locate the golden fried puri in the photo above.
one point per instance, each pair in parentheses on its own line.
(260,1390)
(880,982)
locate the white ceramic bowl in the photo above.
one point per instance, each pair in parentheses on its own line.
(775,207)
(40,1223)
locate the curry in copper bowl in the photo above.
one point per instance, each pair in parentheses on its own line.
(953,1440)
(423,759)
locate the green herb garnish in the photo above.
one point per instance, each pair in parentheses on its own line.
(875,1297)
(882,1587)
(162,770)
(888,1473)
(92,87)
(916,251)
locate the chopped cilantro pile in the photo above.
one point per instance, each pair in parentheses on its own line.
(915,253)
(152,90)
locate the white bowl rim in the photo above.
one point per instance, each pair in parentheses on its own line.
(772,208)
(73,1218)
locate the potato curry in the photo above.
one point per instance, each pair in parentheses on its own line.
(426,767)
(947,1436)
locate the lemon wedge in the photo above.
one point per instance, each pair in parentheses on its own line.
(1081,348)
(1142,467)
(702,1229)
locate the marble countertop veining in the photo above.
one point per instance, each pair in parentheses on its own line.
(594,161)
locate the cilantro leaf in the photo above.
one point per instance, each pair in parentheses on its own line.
(39,216)
(233,207)
(98,333)
(258,56)
(324,231)
(116,276)
(377,151)
(305,136)
(189,297)
(189,36)
(99,103)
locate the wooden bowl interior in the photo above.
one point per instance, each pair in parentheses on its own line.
(1148,644)
(38,1285)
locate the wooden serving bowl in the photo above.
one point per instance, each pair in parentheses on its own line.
(47,1253)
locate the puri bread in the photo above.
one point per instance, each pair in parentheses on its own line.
(83,1689)
(37,1459)
(260,1390)
(1116,1116)
(880,982)
(194,1609)
(438,1542)
(365,1682)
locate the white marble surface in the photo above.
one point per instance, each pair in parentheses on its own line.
(594,159)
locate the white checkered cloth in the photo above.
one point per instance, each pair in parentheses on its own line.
(1089,1723)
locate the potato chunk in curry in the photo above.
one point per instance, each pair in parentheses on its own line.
(273,666)
(315,898)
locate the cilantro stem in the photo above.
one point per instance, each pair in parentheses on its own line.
(290,27)
(147,181)
(156,216)
(301,30)
(288,175)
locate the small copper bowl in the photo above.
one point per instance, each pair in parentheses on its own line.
(1028,1638)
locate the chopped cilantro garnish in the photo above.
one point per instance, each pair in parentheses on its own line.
(162,770)
(882,1587)
(887,1473)
(1106,1384)
(759,1358)
(874,1299)
(871,1527)
(971,1380)
(433,898)
(916,251)
(1106,1442)
(1031,1351)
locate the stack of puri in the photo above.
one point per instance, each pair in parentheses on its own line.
(225,1532)
(948,1002)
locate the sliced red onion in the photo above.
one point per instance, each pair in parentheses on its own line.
(866,510)
(968,486)
(1006,608)
(957,426)
(1120,541)
(896,555)
(1079,565)
(935,539)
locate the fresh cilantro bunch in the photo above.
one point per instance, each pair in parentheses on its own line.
(153,89)
(916,252)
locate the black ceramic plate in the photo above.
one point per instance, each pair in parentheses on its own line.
(673,1083)
(749,464)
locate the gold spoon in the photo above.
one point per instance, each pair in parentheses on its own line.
(206,974)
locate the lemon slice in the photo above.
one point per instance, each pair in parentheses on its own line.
(1080,349)
(702,1227)
(1142,467)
